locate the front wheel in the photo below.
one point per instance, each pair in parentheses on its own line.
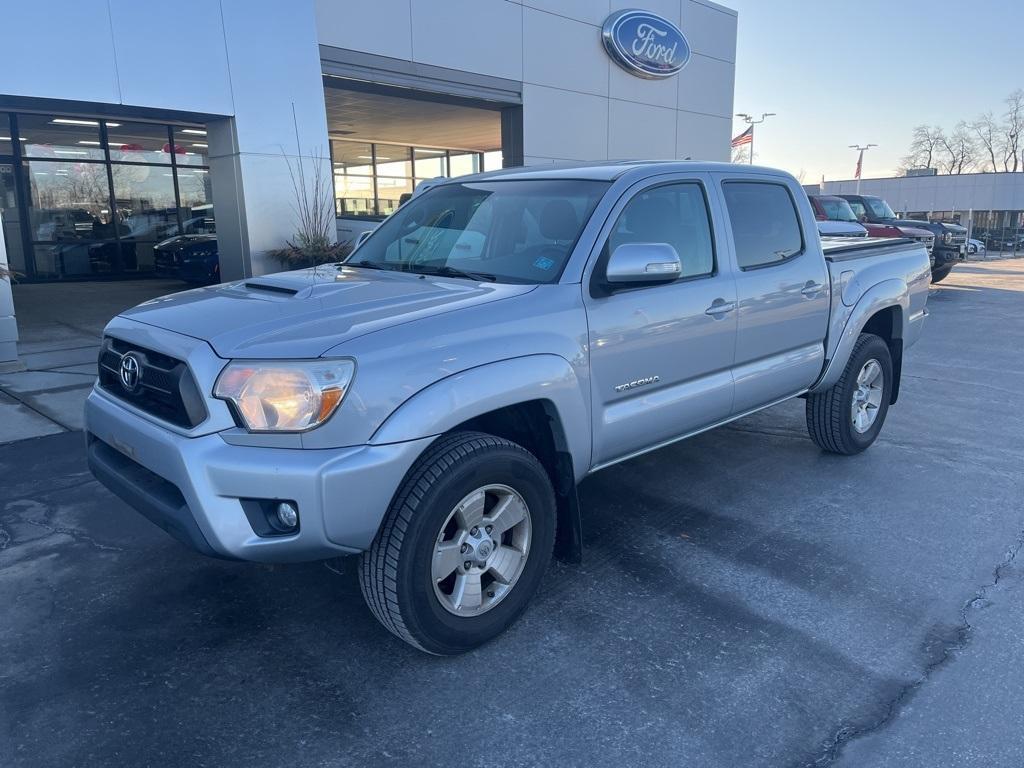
(463,546)
(847,417)
(940,274)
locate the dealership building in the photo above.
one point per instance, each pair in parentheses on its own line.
(990,205)
(122,126)
(116,131)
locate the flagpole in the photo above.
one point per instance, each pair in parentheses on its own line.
(860,160)
(749,120)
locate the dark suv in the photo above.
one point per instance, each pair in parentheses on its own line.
(950,239)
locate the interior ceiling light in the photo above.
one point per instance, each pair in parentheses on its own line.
(193,131)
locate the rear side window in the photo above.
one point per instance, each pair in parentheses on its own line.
(765,225)
(676,214)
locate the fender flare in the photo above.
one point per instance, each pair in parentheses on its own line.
(454,399)
(883,295)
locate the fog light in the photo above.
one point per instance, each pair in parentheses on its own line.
(287,514)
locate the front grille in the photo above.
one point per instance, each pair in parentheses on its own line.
(163,387)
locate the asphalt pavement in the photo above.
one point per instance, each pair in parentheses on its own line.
(744,600)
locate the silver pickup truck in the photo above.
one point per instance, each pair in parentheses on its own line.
(432,403)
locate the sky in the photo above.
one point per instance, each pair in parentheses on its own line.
(868,71)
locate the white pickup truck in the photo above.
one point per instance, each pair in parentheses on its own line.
(432,403)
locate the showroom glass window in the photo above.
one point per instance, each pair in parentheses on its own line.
(98,194)
(370,179)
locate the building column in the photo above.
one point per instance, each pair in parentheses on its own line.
(278,131)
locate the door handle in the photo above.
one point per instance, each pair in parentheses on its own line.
(720,307)
(812,289)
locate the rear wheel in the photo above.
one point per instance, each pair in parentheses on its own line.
(464,544)
(847,417)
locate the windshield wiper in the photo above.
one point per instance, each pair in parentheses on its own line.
(447,271)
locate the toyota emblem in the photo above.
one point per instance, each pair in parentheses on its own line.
(130,372)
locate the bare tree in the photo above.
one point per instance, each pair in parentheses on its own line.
(987,134)
(928,139)
(1013,131)
(960,149)
(741,154)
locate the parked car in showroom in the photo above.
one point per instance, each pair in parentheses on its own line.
(833,208)
(192,258)
(432,403)
(950,238)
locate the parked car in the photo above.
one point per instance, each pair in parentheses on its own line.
(192,258)
(950,239)
(432,403)
(835,208)
(975,247)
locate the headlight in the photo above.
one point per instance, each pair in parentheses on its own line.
(947,238)
(273,396)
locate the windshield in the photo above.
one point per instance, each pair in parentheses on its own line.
(879,208)
(837,209)
(517,231)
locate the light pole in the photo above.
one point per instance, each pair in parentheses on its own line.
(752,122)
(860,160)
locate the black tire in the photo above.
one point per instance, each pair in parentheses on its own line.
(395,573)
(829,418)
(940,274)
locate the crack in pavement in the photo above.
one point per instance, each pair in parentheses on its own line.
(73,534)
(947,650)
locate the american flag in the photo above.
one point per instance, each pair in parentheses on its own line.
(856,174)
(747,137)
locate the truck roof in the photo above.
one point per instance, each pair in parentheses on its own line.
(610,170)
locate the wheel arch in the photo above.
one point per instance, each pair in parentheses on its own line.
(535,401)
(881,310)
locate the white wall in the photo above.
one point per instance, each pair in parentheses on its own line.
(577,103)
(978,191)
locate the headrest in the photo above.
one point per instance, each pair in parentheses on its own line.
(558,220)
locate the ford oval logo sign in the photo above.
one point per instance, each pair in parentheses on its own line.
(645,44)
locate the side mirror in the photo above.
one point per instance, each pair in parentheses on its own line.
(862,218)
(643,263)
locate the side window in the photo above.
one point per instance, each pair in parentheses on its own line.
(676,214)
(858,208)
(765,226)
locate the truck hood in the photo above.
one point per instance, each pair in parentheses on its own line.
(944,226)
(303,314)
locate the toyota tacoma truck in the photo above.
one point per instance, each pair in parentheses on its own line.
(432,403)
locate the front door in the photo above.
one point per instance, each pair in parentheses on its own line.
(783,293)
(661,355)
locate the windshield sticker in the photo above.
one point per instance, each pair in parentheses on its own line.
(543,262)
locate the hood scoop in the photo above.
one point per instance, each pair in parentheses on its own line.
(270,287)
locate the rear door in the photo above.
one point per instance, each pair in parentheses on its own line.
(661,355)
(782,287)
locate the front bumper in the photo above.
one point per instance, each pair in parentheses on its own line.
(946,255)
(193,486)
